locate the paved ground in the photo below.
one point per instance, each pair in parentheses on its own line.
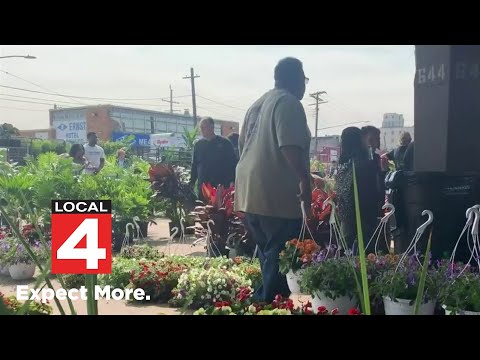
(157,237)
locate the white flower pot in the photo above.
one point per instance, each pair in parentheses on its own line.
(403,307)
(22,271)
(293,279)
(343,303)
(448,312)
(4,270)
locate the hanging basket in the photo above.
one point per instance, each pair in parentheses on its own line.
(293,281)
(342,303)
(403,307)
(460,312)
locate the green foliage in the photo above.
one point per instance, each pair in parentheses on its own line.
(39,146)
(333,277)
(121,270)
(7,131)
(141,252)
(74,281)
(190,137)
(111,147)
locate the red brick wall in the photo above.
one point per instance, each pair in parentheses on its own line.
(99,122)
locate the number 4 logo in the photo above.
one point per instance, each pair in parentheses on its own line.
(81,237)
(91,253)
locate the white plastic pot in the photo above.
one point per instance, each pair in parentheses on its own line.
(22,271)
(343,303)
(293,279)
(403,307)
(448,312)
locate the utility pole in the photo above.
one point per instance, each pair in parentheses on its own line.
(171,100)
(318,101)
(194,103)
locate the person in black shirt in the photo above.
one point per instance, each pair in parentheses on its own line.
(233,137)
(214,159)
(353,150)
(397,155)
(371,140)
(408,158)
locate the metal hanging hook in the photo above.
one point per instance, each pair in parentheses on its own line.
(422,227)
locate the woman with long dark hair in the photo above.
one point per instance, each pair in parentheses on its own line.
(77,153)
(354,152)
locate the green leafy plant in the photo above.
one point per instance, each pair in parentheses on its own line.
(462,290)
(331,276)
(141,252)
(74,281)
(404,282)
(121,271)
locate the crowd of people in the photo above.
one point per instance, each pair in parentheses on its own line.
(268,163)
(90,157)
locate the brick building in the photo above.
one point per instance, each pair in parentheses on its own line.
(73,124)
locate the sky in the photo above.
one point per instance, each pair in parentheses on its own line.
(362,81)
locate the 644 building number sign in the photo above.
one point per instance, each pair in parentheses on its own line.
(81,236)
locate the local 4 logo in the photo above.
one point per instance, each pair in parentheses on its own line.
(81,236)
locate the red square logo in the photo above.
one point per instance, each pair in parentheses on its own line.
(81,237)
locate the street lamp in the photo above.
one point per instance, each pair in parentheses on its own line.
(18,56)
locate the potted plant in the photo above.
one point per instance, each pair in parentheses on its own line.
(296,256)
(398,287)
(461,295)
(331,281)
(21,265)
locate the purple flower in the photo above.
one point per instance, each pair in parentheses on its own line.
(411,281)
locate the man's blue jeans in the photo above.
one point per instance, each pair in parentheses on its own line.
(270,234)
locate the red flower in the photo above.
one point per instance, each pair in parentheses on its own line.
(322,310)
(354,311)
(289,304)
(307,312)
(220,304)
(335,311)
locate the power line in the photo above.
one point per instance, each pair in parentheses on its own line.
(25,101)
(14,108)
(80,97)
(32,83)
(335,126)
(219,103)
(66,102)
(34,98)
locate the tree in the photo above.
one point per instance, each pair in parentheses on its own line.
(190,137)
(7,131)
